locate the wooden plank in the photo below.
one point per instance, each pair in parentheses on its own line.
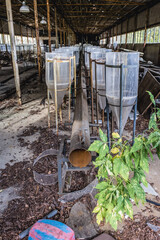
(148,83)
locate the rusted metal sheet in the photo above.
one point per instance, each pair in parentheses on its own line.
(80,138)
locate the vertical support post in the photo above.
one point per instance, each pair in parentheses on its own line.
(96,92)
(107,109)
(69,105)
(61,38)
(116,31)
(121,100)
(60,32)
(135,27)
(134,123)
(13,49)
(91,78)
(60,114)
(32,34)
(37,38)
(102,117)
(112,124)
(126,34)
(22,38)
(67,42)
(145,31)
(75,80)
(49,25)
(27,35)
(56,28)
(121,36)
(55,93)
(64,37)
(49,117)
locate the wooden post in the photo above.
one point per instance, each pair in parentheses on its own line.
(37,39)
(32,34)
(146,25)
(27,35)
(60,32)
(21,34)
(56,29)
(121,36)
(126,34)
(135,27)
(64,38)
(49,25)
(116,31)
(22,39)
(13,49)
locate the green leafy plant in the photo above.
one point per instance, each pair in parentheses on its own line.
(121,169)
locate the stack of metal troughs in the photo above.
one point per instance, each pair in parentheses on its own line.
(60,73)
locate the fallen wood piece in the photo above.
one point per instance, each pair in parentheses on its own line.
(69,197)
(148,83)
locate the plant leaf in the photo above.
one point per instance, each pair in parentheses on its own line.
(153,121)
(96,209)
(115,150)
(95,146)
(144,162)
(113,221)
(151,97)
(138,144)
(103,136)
(104,149)
(115,135)
(129,208)
(102,185)
(99,217)
(121,168)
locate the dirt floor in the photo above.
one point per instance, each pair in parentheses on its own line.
(24,135)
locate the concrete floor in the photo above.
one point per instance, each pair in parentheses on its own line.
(14,120)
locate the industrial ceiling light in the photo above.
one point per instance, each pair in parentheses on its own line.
(24,8)
(43,21)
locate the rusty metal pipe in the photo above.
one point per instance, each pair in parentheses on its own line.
(80,138)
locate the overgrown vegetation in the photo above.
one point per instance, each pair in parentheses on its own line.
(122,168)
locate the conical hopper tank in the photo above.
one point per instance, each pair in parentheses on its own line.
(99,56)
(130,73)
(62,75)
